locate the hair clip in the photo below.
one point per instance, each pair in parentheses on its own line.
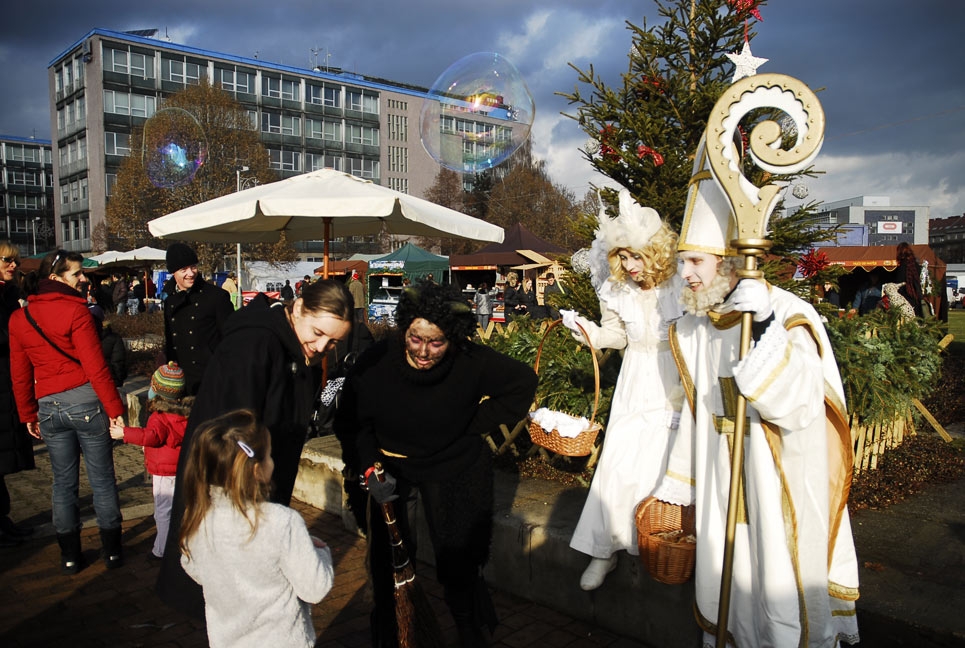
(246,449)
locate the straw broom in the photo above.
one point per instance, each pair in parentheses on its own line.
(415,618)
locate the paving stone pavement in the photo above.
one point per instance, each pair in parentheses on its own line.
(98,607)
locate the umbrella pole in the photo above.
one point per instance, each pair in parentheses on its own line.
(238,300)
(328,235)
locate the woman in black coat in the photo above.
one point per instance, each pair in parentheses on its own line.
(419,403)
(16,447)
(263,363)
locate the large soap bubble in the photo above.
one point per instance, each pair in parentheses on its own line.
(174,147)
(478,112)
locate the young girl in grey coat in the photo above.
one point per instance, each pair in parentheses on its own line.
(258,566)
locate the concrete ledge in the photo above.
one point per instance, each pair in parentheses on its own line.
(531,557)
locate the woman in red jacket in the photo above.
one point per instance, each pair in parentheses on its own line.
(65,394)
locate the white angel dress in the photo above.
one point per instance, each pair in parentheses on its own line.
(637,434)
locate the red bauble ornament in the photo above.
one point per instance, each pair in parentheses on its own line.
(644,151)
(813,262)
(749,6)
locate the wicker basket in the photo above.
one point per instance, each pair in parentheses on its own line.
(582,444)
(666,537)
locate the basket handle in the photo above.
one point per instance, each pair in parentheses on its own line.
(596,365)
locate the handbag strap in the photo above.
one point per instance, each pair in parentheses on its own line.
(33,323)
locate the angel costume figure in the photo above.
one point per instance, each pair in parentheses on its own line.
(638,300)
(795,576)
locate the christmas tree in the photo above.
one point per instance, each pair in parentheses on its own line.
(643,134)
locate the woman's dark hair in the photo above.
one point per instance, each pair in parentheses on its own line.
(440,304)
(55,262)
(328,296)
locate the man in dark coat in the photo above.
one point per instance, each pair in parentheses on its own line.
(194,315)
(119,293)
(16,446)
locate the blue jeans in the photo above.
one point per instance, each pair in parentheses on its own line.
(68,431)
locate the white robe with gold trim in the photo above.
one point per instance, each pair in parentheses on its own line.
(792,586)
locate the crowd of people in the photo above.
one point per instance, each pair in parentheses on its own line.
(238,389)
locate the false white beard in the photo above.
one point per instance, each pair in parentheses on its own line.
(702,301)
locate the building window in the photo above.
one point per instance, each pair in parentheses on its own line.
(110,182)
(180,71)
(280,88)
(363,135)
(283,124)
(398,128)
(398,159)
(64,194)
(121,103)
(363,168)
(117,143)
(285,160)
(133,63)
(395,104)
(360,102)
(324,130)
(25,202)
(23,178)
(236,81)
(324,96)
(318,161)
(448,124)
(21,153)
(399,184)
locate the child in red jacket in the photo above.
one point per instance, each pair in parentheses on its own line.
(162,441)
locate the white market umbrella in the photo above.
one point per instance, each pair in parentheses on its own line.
(317,206)
(141,256)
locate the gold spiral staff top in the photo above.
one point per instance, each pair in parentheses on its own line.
(752,205)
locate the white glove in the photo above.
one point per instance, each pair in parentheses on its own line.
(752,296)
(569,320)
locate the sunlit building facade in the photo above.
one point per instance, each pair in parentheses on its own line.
(108,82)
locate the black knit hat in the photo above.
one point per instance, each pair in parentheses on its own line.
(180,256)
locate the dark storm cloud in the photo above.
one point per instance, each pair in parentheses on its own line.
(891,69)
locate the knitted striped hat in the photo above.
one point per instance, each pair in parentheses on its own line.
(167,382)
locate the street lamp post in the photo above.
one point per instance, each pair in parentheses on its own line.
(239,298)
(36,218)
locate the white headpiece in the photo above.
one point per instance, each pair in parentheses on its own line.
(631,229)
(709,225)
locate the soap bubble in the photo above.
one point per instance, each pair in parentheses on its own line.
(477,113)
(174,148)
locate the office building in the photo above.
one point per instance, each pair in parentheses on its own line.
(872,220)
(947,237)
(109,82)
(27,194)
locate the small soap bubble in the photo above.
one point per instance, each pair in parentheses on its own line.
(478,112)
(174,148)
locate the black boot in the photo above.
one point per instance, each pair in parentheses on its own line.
(71,558)
(471,632)
(111,550)
(8,528)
